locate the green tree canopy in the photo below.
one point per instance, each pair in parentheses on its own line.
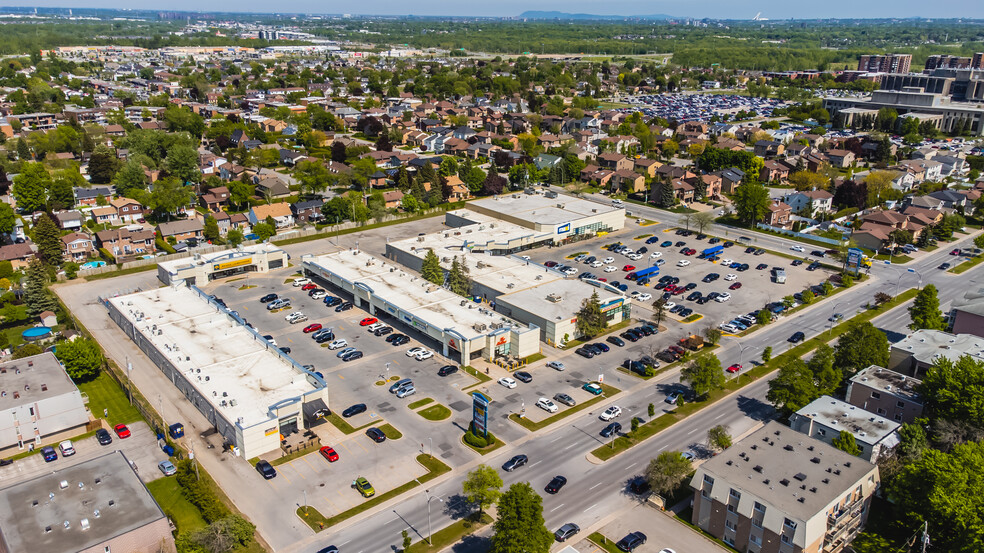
(925,311)
(590,320)
(954,390)
(103,165)
(431,268)
(36,294)
(520,527)
(61,195)
(8,219)
(458,281)
(168,195)
(31,187)
(845,442)
(48,239)
(182,162)
(82,358)
(704,374)
(264,231)
(861,346)
(129,178)
(482,486)
(667,471)
(751,202)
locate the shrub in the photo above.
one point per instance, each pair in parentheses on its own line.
(199,494)
(110,258)
(475,440)
(163,246)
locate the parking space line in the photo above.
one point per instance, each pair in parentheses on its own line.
(308,463)
(295,469)
(283,473)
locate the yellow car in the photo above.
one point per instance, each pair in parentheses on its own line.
(364,487)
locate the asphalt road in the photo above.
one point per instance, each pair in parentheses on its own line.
(596,490)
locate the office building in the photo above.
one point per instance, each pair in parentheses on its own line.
(885,63)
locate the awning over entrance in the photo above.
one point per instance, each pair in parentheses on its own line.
(314,412)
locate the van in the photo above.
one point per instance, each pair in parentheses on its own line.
(400,384)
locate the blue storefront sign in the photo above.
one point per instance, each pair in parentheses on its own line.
(480,413)
(854,260)
(563,229)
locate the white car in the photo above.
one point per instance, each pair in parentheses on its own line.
(635,256)
(655,255)
(683,263)
(730,276)
(608,260)
(320,294)
(571,271)
(797,249)
(725,262)
(556,365)
(595,264)
(610,269)
(412,352)
(301,282)
(723,297)
(660,261)
(669,305)
(374,326)
(526,257)
(611,413)
(426,354)
(296,317)
(643,296)
(546,405)
(507,382)
(336,344)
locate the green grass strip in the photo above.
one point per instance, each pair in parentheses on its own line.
(609,391)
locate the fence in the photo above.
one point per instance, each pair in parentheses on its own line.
(787,232)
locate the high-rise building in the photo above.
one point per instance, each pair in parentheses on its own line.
(978,61)
(885,63)
(946,61)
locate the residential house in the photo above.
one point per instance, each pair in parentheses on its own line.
(216,198)
(775,171)
(731,179)
(825,418)
(123,242)
(778,491)
(647,166)
(682,190)
(272,188)
(89,197)
(127,210)
(459,190)
(614,162)
(181,230)
(778,214)
(307,211)
(903,181)
(628,181)
(952,199)
(547,161)
(19,255)
(273,125)
(393,198)
(78,247)
(712,185)
(886,393)
(769,148)
(952,165)
(69,220)
(280,212)
(810,202)
(841,159)
(106,214)
(922,169)
(378,180)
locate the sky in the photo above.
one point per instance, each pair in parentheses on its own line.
(721,9)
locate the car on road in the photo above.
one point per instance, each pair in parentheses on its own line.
(514,463)
(797,337)
(628,268)
(610,430)
(593,388)
(565,399)
(48,453)
(103,436)
(631,542)
(66,448)
(447,370)
(610,269)
(683,263)
(507,382)
(368,321)
(301,282)
(266,469)
(642,296)
(547,405)
(364,487)
(797,248)
(611,413)
(640,485)
(376,435)
(944,266)
(168,468)
(331,301)
(400,339)
(268,298)
(656,255)
(329,453)
(122,431)
(313,327)
(354,410)
(735,367)
(557,365)
(295,317)
(566,531)
(835,317)
(797,262)
(762,266)
(318,294)
(555,485)
(672,397)
(608,260)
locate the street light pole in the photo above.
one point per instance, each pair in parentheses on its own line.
(831,319)
(431,441)
(429,532)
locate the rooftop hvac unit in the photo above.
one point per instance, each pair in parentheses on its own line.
(479,327)
(420,239)
(445,260)
(560,206)
(510,286)
(464,302)
(555,298)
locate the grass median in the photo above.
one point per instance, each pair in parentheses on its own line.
(182,512)
(436,412)
(318,521)
(658,424)
(604,543)
(420,403)
(344,426)
(452,534)
(391,432)
(967,265)
(482,377)
(609,391)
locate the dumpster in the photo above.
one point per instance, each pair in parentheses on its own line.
(176,430)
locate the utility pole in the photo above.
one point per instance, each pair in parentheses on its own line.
(925,536)
(194,462)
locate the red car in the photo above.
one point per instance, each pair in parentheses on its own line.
(735,286)
(312,327)
(328,453)
(368,321)
(122,431)
(309,286)
(628,268)
(955,252)
(602,279)
(734,368)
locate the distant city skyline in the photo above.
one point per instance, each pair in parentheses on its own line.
(716,9)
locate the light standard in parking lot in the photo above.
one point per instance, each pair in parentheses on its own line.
(741,347)
(429,497)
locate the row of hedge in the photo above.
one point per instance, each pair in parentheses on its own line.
(199,493)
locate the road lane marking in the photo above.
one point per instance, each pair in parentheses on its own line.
(595,486)
(557,507)
(570,446)
(692,431)
(630,466)
(589,508)
(535,464)
(722,415)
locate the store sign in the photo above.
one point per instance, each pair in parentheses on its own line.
(563,229)
(452,344)
(480,413)
(614,305)
(232,264)
(854,259)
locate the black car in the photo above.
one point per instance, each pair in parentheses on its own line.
(679,308)
(615,340)
(728,244)
(610,430)
(376,435)
(331,301)
(750,249)
(329,549)
(690,286)
(632,541)
(103,436)
(711,277)
(392,337)
(447,369)
(515,463)
(284,349)
(639,485)
(694,296)
(555,485)
(629,336)
(566,531)
(400,340)
(523,376)
(648,330)
(686,312)
(352,356)
(266,469)
(601,347)
(593,349)
(813,266)
(761,266)
(797,337)
(383,331)
(326,337)
(818,253)
(354,410)
(345,306)
(680,244)
(586,353)
(759,251)
(268,298)
(797,262)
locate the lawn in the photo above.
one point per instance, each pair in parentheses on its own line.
(452,534)
(487,449)
(482,377)
(966,265)
(167,493)
(343,425)
(435,412)
(104,393)
(604,543)
(420,403)
(609,391)
(692,318)
(391,432)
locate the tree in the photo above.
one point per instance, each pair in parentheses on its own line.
(952,390)
(61,195)
(182,162)
(807,296)
(8,219)
(313,176)
(82,358)
(925,311)
(704,374)
(407,540)
(211,230)
(458,281)
(878,183)
(234,237)
(752,202)
(103,165)
(31,187)
(664,196)
(944,489)
(264,231)
(169,195)
(36,295)
(845,442)
(861,346)
(882,297)
(826,375)
(6,269)
(808,180)
(240,192)
(763,317)
(482,487)
(590,320)
(713,334)
(702,220)
(767,354)
(659,310)
(792,388)
(48,239)
(666,472)
(719,438)
(431,268)
(493,185)
(520,527)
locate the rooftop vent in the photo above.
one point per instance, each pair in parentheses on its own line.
(788,447)
(784,482)
(801,500)
(815,460)
(85,524)
(63,484)
(757,468)
(800,476)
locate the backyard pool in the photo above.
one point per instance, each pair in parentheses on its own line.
(93,264)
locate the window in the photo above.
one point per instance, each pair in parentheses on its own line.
(876,395)
(900,404)
(732,508)
(709,480)
(786,539)
(757,540)
(759,507)
(730,525)
(31,409)
(821,432)
(898,416)
(882,411)
(735,493)
(789,524)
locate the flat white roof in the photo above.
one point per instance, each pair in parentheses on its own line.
(543,210)
(175,265)
(217,354)
(388,281)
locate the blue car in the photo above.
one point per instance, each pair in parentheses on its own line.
(49,454)
(652,240)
